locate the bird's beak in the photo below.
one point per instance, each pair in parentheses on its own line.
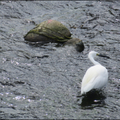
(101,55)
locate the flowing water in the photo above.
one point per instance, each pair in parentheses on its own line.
(43,81)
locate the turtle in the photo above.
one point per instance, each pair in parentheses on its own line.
(53,31)
(48,30)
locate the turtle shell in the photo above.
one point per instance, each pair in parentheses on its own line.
(47,30)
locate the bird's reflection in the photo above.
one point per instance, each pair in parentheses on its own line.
(92,99)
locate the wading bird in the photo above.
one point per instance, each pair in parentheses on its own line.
(96,76)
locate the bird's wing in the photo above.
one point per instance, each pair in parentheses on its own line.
(90,75)
(87,87)
(93,83)
(91,78)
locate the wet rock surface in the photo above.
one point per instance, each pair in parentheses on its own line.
(43,81)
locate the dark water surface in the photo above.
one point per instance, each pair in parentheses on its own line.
(44,81)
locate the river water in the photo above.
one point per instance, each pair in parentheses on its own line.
(43,81)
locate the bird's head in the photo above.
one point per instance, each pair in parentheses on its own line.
(94,54)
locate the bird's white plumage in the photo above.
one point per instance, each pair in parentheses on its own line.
(95,77)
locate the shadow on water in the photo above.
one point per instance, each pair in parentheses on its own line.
(92,99)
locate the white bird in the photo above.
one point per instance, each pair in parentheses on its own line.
(96,76)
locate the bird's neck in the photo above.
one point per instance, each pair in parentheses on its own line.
(94,62)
